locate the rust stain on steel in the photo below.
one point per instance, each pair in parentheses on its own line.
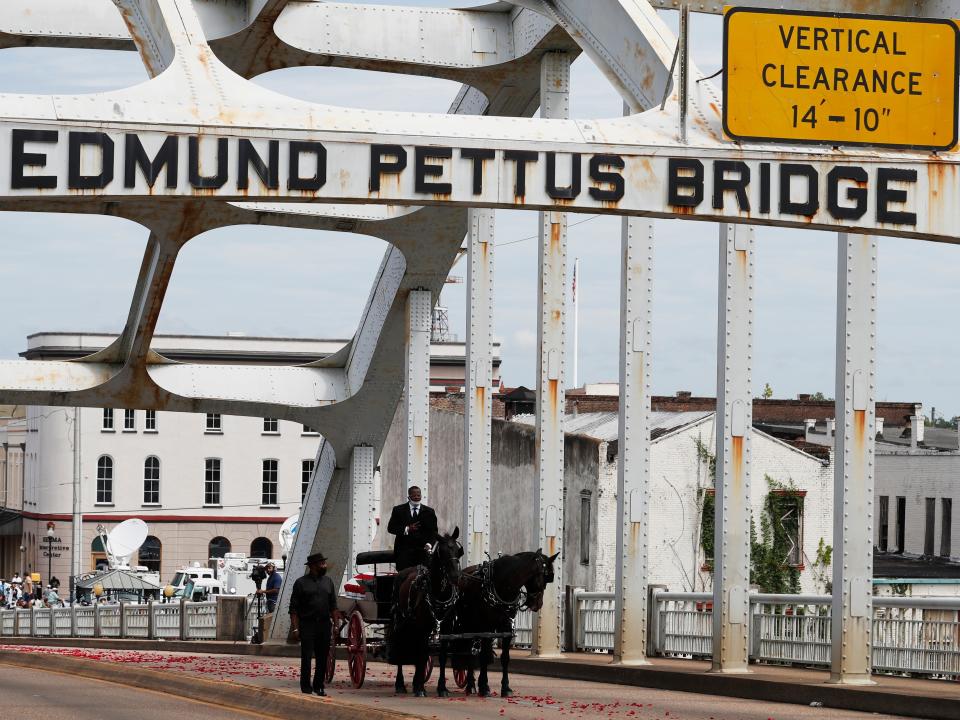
(552,391)
(737,442)
(554,235)
(551,544)
(859,429)
(634,537)
(742,260)
(480,394)
(139,41)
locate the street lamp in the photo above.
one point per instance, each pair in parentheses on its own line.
(50,527)
(23,555)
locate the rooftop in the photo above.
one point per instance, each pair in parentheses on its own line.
(604,426)
(233,347)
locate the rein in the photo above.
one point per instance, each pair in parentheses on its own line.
(493,599)
(438,609)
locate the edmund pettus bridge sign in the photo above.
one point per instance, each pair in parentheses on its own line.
(840,79)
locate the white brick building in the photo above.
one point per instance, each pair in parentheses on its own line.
(679,479)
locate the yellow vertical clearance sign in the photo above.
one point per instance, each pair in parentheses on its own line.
(840,79)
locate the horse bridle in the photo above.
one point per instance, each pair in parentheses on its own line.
(546,571)
(524,599)
(438,608)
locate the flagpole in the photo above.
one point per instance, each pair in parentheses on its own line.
(576,320)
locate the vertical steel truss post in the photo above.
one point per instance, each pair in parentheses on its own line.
(548,624)
(361,502)
(852,607)
(419,310)
(633,472)
(479,401)
(731,574)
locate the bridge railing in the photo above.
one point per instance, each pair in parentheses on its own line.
(151,621)
(911,635)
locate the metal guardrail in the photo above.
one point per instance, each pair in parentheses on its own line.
(153,621)
(523,629)
(915,636)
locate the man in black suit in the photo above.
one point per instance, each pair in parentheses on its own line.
(415,525)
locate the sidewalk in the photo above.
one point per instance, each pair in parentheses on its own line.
(899,696)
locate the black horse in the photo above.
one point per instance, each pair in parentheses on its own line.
(425,595)
(490,596)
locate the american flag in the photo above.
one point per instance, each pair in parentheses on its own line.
(573,286)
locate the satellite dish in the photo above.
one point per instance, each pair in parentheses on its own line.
(287,531)
(124,540)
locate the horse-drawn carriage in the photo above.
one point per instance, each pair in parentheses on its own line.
(365,606)
(434,610)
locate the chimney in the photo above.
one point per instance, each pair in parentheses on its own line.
(916,430)
(831,427)
(808,427)
(879,422)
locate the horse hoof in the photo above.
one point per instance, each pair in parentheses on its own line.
(506,692)
(400,689)
(420,693)
(443,692)
(483,692)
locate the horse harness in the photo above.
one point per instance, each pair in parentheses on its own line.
(494,601)
(438,609)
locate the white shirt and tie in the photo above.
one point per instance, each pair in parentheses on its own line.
(414,511)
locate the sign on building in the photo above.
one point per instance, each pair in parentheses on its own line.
(840,79)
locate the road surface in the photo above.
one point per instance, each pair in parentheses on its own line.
(30,693)
(536,698)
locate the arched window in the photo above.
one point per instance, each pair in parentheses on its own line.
(219,547)
(261,548)
(150,553)
(151,481)
(105,479)
(98,556)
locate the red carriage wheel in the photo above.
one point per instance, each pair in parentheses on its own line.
(460,678)
(357,649)
(429,670)
(332,653)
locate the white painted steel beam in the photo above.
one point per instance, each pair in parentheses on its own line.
(734,420)
(633,469)
(628,42)
(551,319)
(478,395)
(362,465)
(323,498)
(419,317)
(852,608)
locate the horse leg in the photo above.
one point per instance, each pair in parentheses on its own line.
(399,686)
(486,647)
(471,686)
(442,680)
(505,689)
(420,678)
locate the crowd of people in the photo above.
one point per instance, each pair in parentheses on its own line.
(23,592)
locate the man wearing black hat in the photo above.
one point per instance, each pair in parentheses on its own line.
(313,605)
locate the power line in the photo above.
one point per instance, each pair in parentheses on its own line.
(534,237)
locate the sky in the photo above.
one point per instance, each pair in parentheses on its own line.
(77,273)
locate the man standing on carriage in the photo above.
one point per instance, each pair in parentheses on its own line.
(313,603)
(415,526)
